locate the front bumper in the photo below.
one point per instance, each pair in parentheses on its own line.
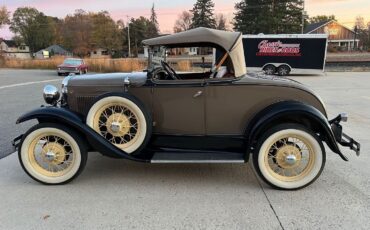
(342,138)
(63,71)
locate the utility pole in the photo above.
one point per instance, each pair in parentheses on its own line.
(354,40)
(128,36)
(303,16)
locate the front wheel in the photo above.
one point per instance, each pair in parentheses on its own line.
(52,154)
(289,157)
(122,120)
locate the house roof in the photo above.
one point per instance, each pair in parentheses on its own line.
(10,43)
(56,49)
(314,26)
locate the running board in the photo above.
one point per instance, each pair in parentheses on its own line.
(197,157)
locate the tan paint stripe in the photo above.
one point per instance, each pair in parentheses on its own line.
(27,83)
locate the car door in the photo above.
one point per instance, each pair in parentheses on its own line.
(179,107)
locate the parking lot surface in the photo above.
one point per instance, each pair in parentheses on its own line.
(118,194)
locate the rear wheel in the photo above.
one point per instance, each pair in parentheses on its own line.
(122,120)
(52,154)
(289,157)
(269,69)
(283,70)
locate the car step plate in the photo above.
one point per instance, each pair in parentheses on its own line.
(197,157)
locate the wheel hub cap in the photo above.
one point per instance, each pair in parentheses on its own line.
(118,125)
(54,153)
(291,159)
(288,156)
(50,156)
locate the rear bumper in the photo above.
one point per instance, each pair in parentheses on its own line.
(342,138)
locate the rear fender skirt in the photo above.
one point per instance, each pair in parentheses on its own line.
(292,111)
(63,116)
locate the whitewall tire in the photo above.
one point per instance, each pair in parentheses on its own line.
(289,157)
(122,120)
(52,154)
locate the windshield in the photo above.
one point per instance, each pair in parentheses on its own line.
(72,62)
(156,55)
(184,59)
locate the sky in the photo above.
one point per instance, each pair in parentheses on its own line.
(168,10)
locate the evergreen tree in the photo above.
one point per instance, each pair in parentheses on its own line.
(268,16)
(153,27)
(203,14)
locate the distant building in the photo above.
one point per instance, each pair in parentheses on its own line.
(340,36)
(99,53)
(10,49)
(52,50)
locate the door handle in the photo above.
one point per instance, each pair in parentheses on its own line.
(197,94)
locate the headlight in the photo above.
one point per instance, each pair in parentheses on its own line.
(51,94)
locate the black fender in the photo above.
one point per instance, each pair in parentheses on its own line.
(292,112)
(70,119)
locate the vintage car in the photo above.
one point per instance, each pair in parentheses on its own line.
(72,65)
(164,116)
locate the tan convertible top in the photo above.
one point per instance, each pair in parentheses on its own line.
(229,41)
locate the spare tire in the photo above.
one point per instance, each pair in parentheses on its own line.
(122,120)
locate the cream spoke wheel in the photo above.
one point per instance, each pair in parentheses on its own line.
(52,154)
(120,121)
(290,158)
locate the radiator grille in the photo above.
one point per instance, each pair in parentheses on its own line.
(82,104)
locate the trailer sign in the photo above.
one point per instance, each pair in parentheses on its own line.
(278,48)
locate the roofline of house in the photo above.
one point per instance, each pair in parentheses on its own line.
(332,20)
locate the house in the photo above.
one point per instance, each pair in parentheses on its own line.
(340,36)
(10,49)
(99,53)
(52,50)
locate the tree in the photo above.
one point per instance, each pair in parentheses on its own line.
(4,16)
(153,27)
(221,22)
(363,31)
(139,31)
(183,22)
(33,26)
(203,14)
(268,16)
(321,18)
(105,32)
(76,32)
(360,23)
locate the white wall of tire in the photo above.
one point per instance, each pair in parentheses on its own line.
(318,163)
(131,105)
(34,173)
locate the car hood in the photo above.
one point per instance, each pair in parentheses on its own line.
(135,79)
